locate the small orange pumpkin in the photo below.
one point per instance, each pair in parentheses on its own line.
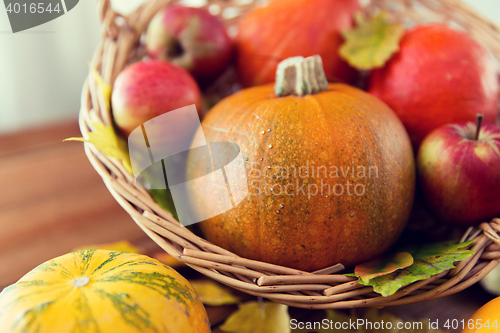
(288,28)
(330,170)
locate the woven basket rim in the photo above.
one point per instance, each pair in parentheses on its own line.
(317,290)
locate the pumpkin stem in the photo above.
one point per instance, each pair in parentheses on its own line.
(80,282)
(300,76)
(478,125)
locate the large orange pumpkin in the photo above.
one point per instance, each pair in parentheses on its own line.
(288,28)
(331,174)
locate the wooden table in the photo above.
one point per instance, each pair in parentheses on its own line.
(52,201)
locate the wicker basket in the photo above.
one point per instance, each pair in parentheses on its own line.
(324,289)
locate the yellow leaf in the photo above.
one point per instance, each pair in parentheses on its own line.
(372,43)
(254,317)
(383,266)
(428,260)
(105,139)
(213,294)
(168,260)
(121,246)
(104,87)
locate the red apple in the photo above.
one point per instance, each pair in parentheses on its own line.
(191,38)
(459,172)
(440,76)
(147,89)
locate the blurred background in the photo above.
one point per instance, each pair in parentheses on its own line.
(51,199)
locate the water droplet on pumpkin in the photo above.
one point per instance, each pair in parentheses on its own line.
(269,167)
(271,188)
(263,132)
(352,214)
(261,159)
(269,130)
(270,146)
(281,206)
(316,143)
(277,212)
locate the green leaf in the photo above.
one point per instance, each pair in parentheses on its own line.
(254,317)
(163,197)
(106,140)
(383,266)
(428,260)
(373,42)
(213,294)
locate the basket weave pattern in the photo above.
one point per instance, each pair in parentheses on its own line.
(120,45)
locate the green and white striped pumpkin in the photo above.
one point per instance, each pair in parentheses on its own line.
(96,291)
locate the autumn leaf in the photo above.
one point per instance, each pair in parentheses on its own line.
(428,260)
(254,317)
(213,294)
(373,42)
(106,140)
(103,87)
(168,260)
(383,266)
(121,246)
